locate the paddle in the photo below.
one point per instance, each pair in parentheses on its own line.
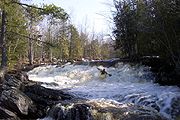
(104,72)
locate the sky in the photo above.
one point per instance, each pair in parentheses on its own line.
(89,14)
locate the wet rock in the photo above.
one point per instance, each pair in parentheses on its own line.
(175,111)
(44,98)
(71,112)
(25,98)
(102,110)
(14,79)
(44,95)
(10,81)
(0,89)
(16,101)
(12,97)
(7,115)
(20,75)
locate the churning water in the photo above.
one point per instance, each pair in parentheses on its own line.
(128,84)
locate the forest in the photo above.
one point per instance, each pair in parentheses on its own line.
(22,42)
(141,28)
(53,69)
(148,28)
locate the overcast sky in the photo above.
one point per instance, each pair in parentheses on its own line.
(85,12)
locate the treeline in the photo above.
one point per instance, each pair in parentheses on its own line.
(70,44)
(148,28)
(22,41)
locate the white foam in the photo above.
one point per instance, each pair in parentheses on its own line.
(127,84)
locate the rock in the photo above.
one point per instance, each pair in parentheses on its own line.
(14,79)
(175,110)
(45,95)
(28,99)
(106,111)
(1,89)
(20,75)
(11,82)
(13,98)
(102,110)
(16,101)
(7,115)
(44,98)
(70,112)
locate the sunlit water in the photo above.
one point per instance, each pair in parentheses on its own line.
(127,84)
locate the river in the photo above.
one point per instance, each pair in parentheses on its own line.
(128,84)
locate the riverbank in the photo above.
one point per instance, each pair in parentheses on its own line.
(165,73)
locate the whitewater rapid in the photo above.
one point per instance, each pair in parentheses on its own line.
(128,84)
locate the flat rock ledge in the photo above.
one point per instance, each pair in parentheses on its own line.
(22,99)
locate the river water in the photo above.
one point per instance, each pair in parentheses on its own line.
(128,84)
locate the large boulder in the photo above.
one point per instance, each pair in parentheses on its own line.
(12,98)
(46,96)
(27,99)
(16,101)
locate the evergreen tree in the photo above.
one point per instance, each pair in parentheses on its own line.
(95,51)
(76,48)
(15,25)
(105,50)
(146,27)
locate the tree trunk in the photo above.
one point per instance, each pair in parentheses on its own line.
(30,53)
(42,53)
(3,42)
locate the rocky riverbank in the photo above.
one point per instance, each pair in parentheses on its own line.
(166,73)
(24,99)
(21,98)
